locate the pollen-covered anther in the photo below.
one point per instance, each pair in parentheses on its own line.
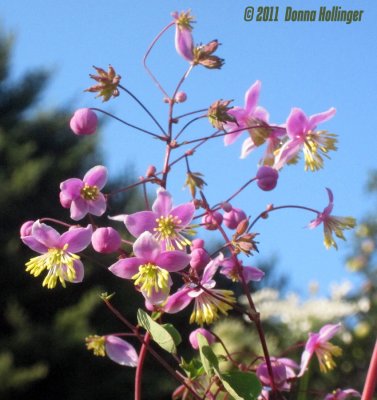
(316,146)
(89,192)
(97,344)
(151,278)
(58,262)
(168,230)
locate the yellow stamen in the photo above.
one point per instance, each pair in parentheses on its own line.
(58,262)
(316,146)
(206,306)
(97,344)
(325,354)
(168,230)
(151,278)
(89,192)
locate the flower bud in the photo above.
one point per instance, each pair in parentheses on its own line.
(279,373)
(106,240)
(199,258)
(193,338)
(25,229)
(234,217)
(267,178)
(151,171)
(212,220)
(84,122)
(226,206)
(180,97)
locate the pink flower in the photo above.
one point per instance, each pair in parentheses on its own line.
(193,338)
(106,240)
(229,268)
(84,196)
(165,222)
(84,121)
(283,369)
(150,267)
(117,349)
(318,343)
(212,220)
(183,37)
(332,224)
(249,116)
(199,256)
(267,178)
(342,394)
(208,301)
(57,251)
(302,134)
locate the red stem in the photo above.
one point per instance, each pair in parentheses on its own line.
(370,382)
(140,365)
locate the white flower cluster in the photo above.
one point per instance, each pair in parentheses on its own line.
(301,316)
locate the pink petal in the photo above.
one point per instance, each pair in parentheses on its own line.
(96,176)
(316,119)
(287,152)
(79,268)
(77,239)
(247,147)
(185,212)
(261,114)
(34,244)
(98,206)
(121,351)
(173,261)
(78,209)
(328,331)
(297,123)
(184,43)
(177,301)
(147,247)
(252,96)
(156,297)
(140,222)
(252,274)
(45,234)
(126,268)
(211,268)
(163,203)
(71,188)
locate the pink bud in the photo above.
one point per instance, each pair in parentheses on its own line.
(197,244)
(25,229)
(226,206)
(199,258)
(151,171)
(279,373)
(184,43)
(106,240)
(193,338)
(180,97)
(267,178)
(234,217)
(84,122)
(212,220)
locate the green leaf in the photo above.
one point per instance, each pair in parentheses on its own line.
(193,369)
(241,385)
(161,335)
(173,332)
(207,356)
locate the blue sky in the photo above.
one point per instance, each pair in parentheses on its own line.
(311,65)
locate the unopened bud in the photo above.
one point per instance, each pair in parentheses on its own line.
(267,178)
(106,240)
(151,171)
(180,97)
(226,206)
(212,220)
(233,217)
(84,122)
(242,227)
(193,338)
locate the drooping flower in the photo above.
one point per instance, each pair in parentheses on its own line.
(117,349)
(208,301)
(84,122)
(303,135)
(339,394)
(84,196)
(318,344)
(150,267)
(165,222)
(251,118)
(203,55)
(332,224)
(183,36)
(58,253)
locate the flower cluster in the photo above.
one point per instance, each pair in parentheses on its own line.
(161,248)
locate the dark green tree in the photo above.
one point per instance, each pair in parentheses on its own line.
(42,348)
